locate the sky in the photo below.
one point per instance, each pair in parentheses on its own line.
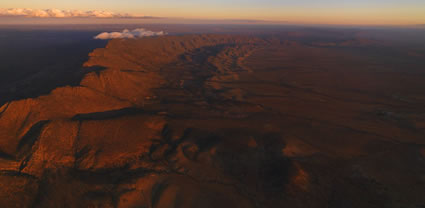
(357,12)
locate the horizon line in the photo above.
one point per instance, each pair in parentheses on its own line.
(189,21)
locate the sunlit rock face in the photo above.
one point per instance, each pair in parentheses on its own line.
(220,121)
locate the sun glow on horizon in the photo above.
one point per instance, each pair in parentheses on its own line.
(361,12)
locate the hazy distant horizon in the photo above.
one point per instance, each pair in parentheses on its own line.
(173,20)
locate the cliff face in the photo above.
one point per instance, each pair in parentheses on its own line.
(213,121)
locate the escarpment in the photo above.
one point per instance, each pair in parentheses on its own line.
(110,129)
(133,70)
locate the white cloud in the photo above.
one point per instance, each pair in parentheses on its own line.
(57,13)
(136,33)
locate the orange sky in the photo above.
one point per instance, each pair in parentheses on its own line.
(360,12)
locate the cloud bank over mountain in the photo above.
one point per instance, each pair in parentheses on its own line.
(136,33)
(57,13)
